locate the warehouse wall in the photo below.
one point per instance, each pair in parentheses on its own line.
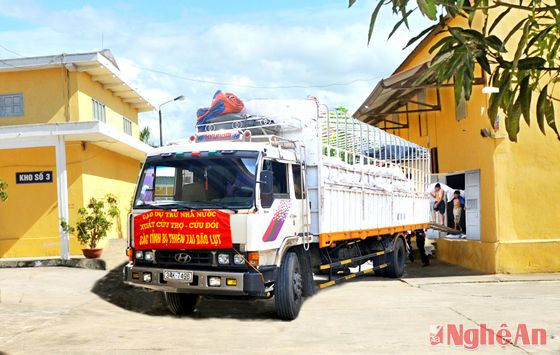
(29,218)
(108,172)
(45,94)
(519,208)
(116,108)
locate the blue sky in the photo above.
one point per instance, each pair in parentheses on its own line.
(244,43)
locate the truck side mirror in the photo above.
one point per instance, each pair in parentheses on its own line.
(265,180)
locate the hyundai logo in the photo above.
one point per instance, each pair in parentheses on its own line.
(182,258)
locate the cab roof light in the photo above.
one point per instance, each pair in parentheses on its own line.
(195,154)
(213,153)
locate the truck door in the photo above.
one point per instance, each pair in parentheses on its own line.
(298,214)
(279,205)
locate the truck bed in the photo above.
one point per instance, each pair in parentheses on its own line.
(362,181)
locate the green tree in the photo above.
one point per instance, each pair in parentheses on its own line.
(529,63)
(145,135)
(3,190)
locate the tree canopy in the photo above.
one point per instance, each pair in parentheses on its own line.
(518,69)
(145,135)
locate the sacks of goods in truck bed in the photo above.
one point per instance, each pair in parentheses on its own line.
(388,178)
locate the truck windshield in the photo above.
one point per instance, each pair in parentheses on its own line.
(201,182)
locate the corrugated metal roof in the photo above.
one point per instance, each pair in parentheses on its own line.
(393,93)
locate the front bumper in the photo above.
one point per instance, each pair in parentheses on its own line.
(247,283)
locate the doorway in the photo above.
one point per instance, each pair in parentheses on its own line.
(457,183)
(468,182)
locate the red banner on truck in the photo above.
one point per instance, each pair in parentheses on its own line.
(161,229)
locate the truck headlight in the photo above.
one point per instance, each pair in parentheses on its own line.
(238,259)
(223,259)
(214,281)
(147,277)
(139,254)
(149,255)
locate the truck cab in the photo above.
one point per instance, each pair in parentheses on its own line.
(259,183)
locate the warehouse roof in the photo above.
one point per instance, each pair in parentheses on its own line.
(101,66)
(391,94)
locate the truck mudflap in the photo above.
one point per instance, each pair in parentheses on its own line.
(250,283)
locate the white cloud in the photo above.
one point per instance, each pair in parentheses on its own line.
(265,49)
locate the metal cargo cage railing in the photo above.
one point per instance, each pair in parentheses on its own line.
(375,158)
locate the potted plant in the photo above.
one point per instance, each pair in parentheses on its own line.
(93,223)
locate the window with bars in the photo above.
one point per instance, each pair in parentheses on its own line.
(127,126)
(98,111)
(11,105)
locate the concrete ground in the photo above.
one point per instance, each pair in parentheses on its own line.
(69,310)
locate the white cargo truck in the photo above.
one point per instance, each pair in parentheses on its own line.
(255,205)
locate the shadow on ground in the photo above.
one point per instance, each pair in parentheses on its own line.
(112,289)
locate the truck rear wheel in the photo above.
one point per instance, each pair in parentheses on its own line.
(397,260)
(181,303)
(288,290)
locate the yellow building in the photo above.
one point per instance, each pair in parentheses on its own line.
(68,132)
(512,209)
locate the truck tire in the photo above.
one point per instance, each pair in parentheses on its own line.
(397,260)
(181,303)
(288,290)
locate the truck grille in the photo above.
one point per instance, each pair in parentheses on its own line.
(191,259)
(197,258)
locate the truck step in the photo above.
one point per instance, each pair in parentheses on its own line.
(348,261)
(351,276)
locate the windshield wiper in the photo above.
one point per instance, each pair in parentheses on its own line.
(223,206)
(185,204)
(170,204)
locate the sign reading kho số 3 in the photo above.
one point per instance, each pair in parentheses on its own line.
(31,177)
(162,229)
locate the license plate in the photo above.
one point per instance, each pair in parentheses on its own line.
(185,276)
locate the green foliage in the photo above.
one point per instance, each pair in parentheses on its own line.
(94,220)
(532,65)
(3,190)
(145,135)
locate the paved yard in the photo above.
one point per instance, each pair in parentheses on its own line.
(65,310)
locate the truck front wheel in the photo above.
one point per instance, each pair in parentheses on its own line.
(397,260)
(181,303)
(288,290)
